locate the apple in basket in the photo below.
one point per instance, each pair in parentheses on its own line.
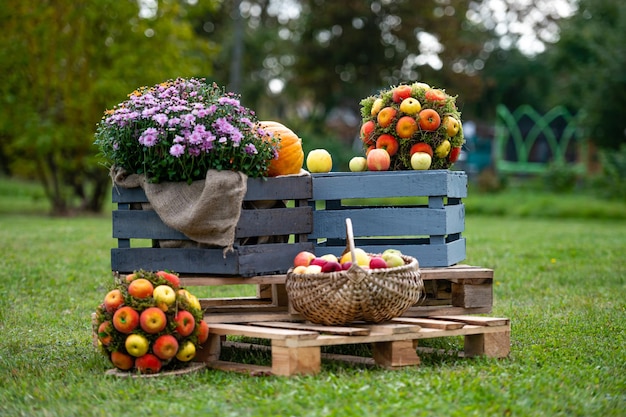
(377,262)
(393,257)
(303,258)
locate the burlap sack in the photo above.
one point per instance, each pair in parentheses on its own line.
(205,211)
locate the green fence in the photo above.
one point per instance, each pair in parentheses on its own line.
(528,142)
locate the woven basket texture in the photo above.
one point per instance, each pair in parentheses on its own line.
(357,294)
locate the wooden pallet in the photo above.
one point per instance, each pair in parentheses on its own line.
(455,290)
(296,346)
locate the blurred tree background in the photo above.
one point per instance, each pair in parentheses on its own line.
(305,63)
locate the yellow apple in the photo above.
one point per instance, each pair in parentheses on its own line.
(358,164)
(300,269)
(313,269)
(421,161)
(393,260)
(378,104)
(186,352)
(362,258)
(443,149)
(410,106)
(421,86)
(164,296)
(191,299)
(329,257)
(452,125)
(136,344)
(319,160)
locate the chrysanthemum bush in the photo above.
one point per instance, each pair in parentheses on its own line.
(148,323)
(409,119)
(179,129)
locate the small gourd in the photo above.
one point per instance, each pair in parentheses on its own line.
(290,153)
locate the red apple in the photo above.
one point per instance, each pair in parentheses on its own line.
(435,95)
(130,277)
(113,300)
(400,93)
(454,154)
(140,288)
(172,278)
(421,147)
(185,323)
(203,332)
(318,261)
(122,361)
(104,332)
(303,258)
(429,120)
(148,364)
(367,130)
(331,266)
(388,143)
(346,265)
(377,262)
(378,160)
(125,319)
(165,347)
(406,127)
(152,320)
(385,116)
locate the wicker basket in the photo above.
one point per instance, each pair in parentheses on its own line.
(357,294)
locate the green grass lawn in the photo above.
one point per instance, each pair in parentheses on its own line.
(561,279)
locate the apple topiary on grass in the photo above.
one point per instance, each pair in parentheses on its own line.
(149,324)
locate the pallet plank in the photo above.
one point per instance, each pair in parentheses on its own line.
(261,332)
(477,320)
(431,323)
(340,330)
(392,328)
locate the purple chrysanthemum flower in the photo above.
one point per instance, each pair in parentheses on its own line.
(149,137)
(250,149)
(160,118)
(177,150)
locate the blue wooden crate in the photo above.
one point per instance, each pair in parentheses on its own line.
(139,231)
(429,230)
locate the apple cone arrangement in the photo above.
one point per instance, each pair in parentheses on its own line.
(149,324)
(418,127)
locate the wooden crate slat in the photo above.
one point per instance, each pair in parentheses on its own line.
(146,224)
(341,185)
(427,255)
(246,261)
(275,222)
(389,221)
(278,188)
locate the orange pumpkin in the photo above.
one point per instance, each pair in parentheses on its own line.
(290,153)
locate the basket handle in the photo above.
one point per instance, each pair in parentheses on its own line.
(350,239)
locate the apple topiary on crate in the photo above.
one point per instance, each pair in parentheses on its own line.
(149,324)
(419,127)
